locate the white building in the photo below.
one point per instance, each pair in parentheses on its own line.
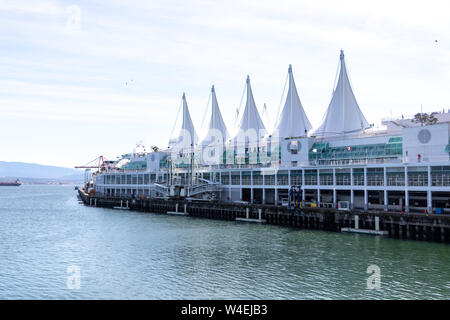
(402,166)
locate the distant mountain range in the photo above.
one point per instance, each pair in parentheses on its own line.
(38,173)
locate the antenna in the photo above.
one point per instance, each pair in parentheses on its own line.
(421,114)
(265,114)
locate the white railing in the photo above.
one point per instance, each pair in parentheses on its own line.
(164,190)
(206,188)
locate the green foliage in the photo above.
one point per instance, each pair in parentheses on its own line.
(425,118)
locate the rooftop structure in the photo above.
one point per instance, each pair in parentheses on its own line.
(251,120)
(216,124)
(293,121)
(343,115)
(187,137)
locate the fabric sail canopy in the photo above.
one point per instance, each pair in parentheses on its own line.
(251,120)
(343,115)
(217,129)
(187,136)
(293,121)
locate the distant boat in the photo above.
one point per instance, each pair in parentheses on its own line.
(11,184)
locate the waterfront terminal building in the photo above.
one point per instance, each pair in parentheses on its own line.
(345,163)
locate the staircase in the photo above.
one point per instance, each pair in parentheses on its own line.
(204,186)
(200,186)
(162,189)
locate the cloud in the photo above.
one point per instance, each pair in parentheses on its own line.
(53,71)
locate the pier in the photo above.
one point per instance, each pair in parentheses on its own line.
(409,226)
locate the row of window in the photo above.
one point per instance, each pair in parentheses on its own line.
(131,179)
(374,178)
(358,180)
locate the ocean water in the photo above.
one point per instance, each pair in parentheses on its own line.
(53,247)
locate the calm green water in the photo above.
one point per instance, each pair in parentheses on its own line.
(121,255)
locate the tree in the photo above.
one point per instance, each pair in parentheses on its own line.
(155,148)
(425,118)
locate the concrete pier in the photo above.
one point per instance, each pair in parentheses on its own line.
(425,227)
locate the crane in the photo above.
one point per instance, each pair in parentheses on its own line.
(91,164)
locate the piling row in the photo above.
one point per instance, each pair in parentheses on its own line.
(422,227)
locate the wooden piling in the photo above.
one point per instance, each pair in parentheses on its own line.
(406,226)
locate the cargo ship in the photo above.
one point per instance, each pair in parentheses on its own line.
(16,183)
(344,163)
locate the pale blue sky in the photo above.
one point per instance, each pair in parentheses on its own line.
(64,101)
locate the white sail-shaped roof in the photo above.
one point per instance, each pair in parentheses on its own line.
(216,124)
(293,121)
(251,119)
(343,114)
(187,136)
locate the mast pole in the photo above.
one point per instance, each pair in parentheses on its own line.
(290,100)
(342,91)
(248,99)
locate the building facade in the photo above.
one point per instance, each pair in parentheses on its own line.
(344,163)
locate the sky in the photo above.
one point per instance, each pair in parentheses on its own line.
(80,79)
